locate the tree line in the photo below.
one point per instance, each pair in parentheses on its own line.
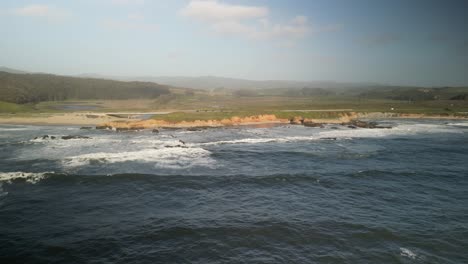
(33,88)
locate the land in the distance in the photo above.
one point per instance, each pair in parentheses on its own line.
(50,99)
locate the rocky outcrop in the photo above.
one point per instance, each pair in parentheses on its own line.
(198,128)
(75,137)
(63,137)
(364,124)
(308,123)
(45,137)
(87,128)
(297,120)
(128,129)
(104,127)
(201,124)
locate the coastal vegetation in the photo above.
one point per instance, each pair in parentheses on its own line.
(30,94)
(35,88)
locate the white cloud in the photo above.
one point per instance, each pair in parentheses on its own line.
(214,10)
(45,11)
(248,21)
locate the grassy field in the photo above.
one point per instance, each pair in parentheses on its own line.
(15,108)
(206,106)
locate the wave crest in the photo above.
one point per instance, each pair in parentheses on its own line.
(175,157)
(31,177)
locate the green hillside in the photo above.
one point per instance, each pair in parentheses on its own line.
(33,88)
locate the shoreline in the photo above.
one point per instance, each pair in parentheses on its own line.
(112,120)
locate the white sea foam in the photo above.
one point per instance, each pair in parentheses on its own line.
(31,177)
(260,140)
(13,129)
(309,135)
(176,157)
(408,253)
(460,124)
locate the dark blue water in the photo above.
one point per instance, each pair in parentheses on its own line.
(238,195)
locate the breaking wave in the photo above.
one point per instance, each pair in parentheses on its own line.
(460,124)
(404,252)
(174,158)
(337,134)
(31,177)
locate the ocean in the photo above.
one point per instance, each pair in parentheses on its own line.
(280,194)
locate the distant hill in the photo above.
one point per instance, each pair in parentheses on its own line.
(241,87)
(31,88)
(213,82)
(10,70)
(414,93)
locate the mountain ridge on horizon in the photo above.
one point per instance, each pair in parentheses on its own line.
(210,82)
(214,82)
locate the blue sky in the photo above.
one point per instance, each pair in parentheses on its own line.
(417,42)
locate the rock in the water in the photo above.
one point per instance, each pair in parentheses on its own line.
(123,129)
(198,128)
(297,120)
(103,127)
(312,124)
(52,137)
(363,124)
(128,129)
(155,131)
(86,128)
(328,138)
(75,137)
(176,146)
(44,137)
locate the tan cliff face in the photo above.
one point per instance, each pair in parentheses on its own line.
(233,121)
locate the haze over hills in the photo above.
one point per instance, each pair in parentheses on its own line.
(19,87)
(23,88)
(216,82)
(10,70)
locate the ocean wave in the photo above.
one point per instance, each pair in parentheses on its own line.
(271,137)
(3,193)
(31,177)
(13,129)
(257,140)
(408,253)
(460,124)
(57,139)
(174,158)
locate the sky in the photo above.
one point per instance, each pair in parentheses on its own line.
(400,42)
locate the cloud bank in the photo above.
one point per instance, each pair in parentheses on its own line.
(252,22)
